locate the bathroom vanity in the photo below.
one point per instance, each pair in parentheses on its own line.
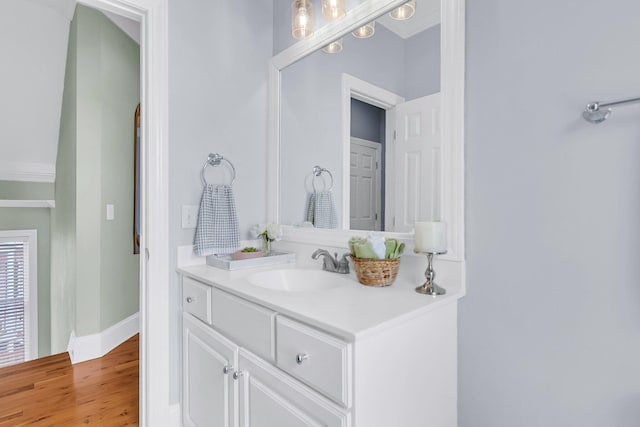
(266,347)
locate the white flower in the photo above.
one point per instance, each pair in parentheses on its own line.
(271,232)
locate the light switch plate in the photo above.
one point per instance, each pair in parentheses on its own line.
(111,214)
(189,216)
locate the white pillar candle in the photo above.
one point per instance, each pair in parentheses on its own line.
(430,237)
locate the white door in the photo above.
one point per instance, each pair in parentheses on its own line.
(366,188)
(417,163)
(209,392)
(270,398)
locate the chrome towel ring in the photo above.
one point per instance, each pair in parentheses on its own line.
(214,159)
(317,172)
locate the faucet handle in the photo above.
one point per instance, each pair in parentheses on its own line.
(343,264)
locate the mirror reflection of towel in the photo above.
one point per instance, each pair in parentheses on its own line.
(321,210)
(217,231)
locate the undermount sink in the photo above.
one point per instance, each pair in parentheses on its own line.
(297,280)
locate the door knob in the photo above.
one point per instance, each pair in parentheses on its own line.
(301,357)
(237,374)
(227,369)
(189,300)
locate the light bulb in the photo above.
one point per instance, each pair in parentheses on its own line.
(333,47)
(404,12)
(333,9)
(365,31)
(302,19)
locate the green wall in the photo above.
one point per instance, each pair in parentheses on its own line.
(38,219)
(63,217)
(17,190)
(97,155)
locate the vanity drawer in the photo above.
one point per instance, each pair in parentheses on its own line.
(196,299)
(248,324)
(317,359)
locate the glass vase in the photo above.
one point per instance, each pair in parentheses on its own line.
(266,247)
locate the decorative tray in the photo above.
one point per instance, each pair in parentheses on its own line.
(227,263)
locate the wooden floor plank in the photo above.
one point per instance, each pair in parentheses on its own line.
(51,392)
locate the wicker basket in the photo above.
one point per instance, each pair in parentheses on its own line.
(376,272)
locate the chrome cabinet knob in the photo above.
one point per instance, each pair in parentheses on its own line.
(237,374)
(227,369)
(189,300)
(301,357)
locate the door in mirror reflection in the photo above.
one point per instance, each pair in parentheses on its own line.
(393,185)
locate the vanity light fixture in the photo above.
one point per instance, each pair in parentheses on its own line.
(333,47)
(404,12)
(365,31)
(333,9)
(302,19)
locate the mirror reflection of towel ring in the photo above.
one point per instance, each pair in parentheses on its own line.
(214,159)
(317,172)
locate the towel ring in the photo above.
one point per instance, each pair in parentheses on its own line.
(317,171)
(214,159)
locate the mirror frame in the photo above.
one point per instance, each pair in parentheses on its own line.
(452,92)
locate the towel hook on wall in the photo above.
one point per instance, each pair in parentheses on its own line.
(597,112)
(214,159)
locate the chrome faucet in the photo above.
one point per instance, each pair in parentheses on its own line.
(331,263)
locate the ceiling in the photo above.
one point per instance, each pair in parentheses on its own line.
(33,40)
(427,15)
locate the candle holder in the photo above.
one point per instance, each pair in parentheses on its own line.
(429,287)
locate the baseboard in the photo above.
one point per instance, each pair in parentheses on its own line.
(175,420)
(89,347)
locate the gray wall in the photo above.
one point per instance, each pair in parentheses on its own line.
(422,64)
(218,85)
(549,334)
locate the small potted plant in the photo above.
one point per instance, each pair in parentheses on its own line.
(268,233)
(247,253)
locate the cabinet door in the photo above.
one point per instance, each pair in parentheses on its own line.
(269,397)
(208,390)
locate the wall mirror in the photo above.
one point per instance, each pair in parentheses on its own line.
(383,119)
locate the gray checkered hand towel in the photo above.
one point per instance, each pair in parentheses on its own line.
(321,210)
(217,231)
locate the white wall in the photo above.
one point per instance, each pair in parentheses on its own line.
(218,56)
(550,329)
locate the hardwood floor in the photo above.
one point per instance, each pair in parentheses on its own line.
(53,392)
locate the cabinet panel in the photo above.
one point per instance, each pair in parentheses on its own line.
(248,324)
(196,299)
(270,398)
(320,360)
(208,393)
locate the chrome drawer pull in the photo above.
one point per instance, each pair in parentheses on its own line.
(227,369)
(237,374)
(189,300)
(301,357)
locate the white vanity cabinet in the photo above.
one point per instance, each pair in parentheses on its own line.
(222,388)
(251,363)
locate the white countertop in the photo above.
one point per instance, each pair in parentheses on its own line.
(351,311)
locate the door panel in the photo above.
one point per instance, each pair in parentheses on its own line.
(417,162)
(208,393)
(366,187)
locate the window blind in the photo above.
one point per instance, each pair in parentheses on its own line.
(14,297)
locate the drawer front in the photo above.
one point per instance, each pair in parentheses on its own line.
(317,359)
(196,299)
(248,324)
